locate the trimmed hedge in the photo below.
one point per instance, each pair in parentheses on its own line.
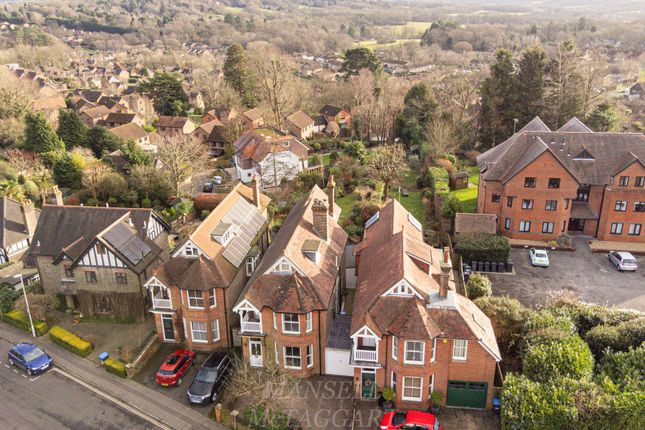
(69,341)
(619,337)
(115,366)
(482,247)
(478,286)
(21,320)
(553,359)
(625,369)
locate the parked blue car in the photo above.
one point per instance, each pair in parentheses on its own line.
(30,358)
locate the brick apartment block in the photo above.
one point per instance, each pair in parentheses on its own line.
(193,294)
(542,183)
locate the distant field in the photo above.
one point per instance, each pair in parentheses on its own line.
(414,26)
(232,9)
(373,44)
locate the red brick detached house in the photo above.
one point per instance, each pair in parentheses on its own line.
(410,330)
(193,293)
(288,307)
(542,183)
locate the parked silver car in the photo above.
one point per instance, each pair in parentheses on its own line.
(624,261)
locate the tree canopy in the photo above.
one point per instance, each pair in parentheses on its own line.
(360,58)
(167,93)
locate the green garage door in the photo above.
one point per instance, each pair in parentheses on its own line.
(467,394)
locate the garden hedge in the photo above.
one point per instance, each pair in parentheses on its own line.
(553,359)
(69,341)
(115,366)
(482,247)
(619,337)
(21,320)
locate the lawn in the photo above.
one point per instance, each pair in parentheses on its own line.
(417,26)
(412,203)
(468,196)
(325,160)
(346,204)
(373,44)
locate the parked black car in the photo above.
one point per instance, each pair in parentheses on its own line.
(210,379)
(208,187)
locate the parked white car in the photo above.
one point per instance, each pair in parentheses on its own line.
(624,261)
(539,257)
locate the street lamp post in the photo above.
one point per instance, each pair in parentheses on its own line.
(24,292)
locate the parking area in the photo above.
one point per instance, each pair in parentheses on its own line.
(589,275)
(147,377)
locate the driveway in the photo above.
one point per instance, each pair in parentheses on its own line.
(147,377)
(591,276)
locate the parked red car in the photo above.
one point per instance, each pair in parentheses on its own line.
(412,420)
(174,367)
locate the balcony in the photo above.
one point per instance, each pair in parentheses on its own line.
(251,327)
(161,303)
(365,355)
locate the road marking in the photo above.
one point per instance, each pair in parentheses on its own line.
(6,365)
(121,403)
(24,376)
(15,370)
(33,379)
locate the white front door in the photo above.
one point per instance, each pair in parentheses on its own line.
(255,353)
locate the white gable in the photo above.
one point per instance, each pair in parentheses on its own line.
(245,305)
(154,282)
(284,266)
(188,250)
(100,256)
(402,289)
(364,331)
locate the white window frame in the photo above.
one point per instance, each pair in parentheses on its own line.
(406,350)
(277,353)
(215,325)
(458,344)
(191,251)
(548,226)
(395,348)
(193,331)
(310,356)
(284,322)
(251,264)
(200,296)
(286,357)
(393,380)
(433,357)
(431,386)
(275,321)
(523,225)
(616,228)
(634,228)
(212,295)
(404,386)
(309,322)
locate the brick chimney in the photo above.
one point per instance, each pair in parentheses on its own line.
(58,196)
(319,209)
(446,268)
(331,196)
(29,217)
(256,191)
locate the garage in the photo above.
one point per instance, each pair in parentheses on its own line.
(466,394)
(337,362)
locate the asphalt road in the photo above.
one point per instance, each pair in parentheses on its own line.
(51,401)
(582,272)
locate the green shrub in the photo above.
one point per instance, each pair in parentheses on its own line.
(556,358)
(92,202)
(316,146)
(478,286)
(69,341)
(450,207)
(508,316)
(529,405)
(204,214)
(621,337)
(545,325)
(625,369)
(482,247)
(21,320)
(146,203)
(115,366)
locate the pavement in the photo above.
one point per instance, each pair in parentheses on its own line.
(589,275)
(159,411)
(43,402)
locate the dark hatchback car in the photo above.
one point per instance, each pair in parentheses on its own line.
(30,358)
(210,379)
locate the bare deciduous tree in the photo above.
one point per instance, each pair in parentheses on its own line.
(180,157)
(275,74)
(93,173)
(16,96)
(442,135)
(26,163)
(266,387)
(377,101)
(385,163)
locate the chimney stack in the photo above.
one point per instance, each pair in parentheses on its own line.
(331,196)
(29,217)
(319,209)
(256,191)
(58,195)
(446,268)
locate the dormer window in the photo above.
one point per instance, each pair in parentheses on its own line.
(191,250)
(223,233)
(311,248)
(400,289)
(251,262)
(372,220)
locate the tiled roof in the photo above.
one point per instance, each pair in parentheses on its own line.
(313,289)
(300,119)
(13,223)
(255,146)
(191,274)
(610,153)
(475,223)
(129,131)
(172,121)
